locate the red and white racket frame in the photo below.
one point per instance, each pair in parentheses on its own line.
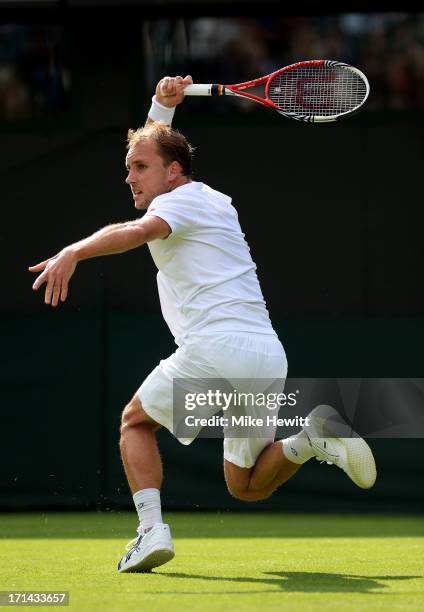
(239,90)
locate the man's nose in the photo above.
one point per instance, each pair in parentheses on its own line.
(130,177)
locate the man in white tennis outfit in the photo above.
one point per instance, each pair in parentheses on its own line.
(212,302)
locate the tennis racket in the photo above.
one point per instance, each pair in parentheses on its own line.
(315,91)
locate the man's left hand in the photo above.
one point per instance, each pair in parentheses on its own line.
(56,272)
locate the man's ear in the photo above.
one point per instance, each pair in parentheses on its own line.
(174,170)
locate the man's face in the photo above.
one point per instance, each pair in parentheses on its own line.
(148,176)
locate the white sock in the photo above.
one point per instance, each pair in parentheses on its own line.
(147,503)
(297,449)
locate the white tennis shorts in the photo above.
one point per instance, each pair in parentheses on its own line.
(227,355)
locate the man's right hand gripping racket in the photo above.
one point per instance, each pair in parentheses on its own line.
(315,91)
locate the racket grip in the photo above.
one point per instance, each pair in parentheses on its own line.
(198,89)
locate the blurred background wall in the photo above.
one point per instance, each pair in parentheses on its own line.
(332,213)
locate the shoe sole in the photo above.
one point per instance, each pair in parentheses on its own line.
(359,457)
(362,469)
(154,559)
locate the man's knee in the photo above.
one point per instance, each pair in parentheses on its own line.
(134,415)
(238,480)
(237,492)
(247,495)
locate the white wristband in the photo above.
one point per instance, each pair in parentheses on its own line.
(159,112)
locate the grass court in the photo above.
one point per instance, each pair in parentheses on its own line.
(224,561)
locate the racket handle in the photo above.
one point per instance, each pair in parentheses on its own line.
(199,89)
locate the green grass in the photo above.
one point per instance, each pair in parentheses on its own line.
(227,561)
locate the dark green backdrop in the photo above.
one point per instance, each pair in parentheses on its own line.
(67,376)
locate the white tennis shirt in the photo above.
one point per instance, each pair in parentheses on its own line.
(206,276)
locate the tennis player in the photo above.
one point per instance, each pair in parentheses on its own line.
(212,302)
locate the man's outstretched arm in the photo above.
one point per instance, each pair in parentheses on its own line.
(57,271)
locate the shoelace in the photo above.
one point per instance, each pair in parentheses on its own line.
(135,540)
(321,460)
(324,461)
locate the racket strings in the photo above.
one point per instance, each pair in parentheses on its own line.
(321,91)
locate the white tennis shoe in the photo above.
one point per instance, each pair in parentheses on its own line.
(148,550)
(334,442)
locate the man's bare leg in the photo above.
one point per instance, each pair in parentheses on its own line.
(270,471)
(272,468)
(139,449)
(142,462)
(143,468)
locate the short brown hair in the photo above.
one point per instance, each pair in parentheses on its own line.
(172,145)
